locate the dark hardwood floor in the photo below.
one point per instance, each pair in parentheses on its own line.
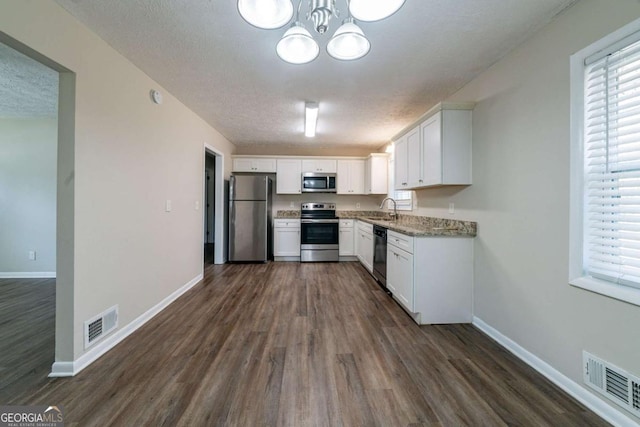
(304,345)
(27,333)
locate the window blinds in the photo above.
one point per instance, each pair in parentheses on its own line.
(612,165)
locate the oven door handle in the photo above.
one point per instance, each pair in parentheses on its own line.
(319,221)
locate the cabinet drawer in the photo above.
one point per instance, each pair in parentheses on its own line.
(401,241)
(286,223)
(365,226)
(346,223)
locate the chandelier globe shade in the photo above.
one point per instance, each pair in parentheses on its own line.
(297,46)
(348,42)
(266,14)
(374,10)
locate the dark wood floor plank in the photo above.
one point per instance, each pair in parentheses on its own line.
(27,334)
(290,344)
(355,408)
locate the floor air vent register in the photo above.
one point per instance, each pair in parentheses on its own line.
(100,325)
(612,382)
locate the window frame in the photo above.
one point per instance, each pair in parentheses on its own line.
(402,204)
(577,275)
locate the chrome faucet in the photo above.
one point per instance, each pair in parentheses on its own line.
(394,215)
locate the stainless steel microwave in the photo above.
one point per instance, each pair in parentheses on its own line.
(313,182)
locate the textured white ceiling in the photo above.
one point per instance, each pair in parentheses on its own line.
(227,71)
(27,88)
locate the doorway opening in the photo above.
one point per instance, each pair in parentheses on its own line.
(209,208)
(214,212)
(28,248)
(64,167)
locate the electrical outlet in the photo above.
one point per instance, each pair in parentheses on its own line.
(291,205)
(452,208)
(32,255)
(357,205)
(167,206)
(197,204)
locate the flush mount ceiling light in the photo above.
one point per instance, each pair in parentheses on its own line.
(297,45)
(310,119)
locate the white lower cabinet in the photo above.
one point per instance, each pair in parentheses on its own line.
(364,244)
(286,238)
(347,243)
(431,277)
(400,275)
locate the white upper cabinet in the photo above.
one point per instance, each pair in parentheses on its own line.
(436,152)
(246,164)
(451,146)
(289,176)
(401,179)
(350,177)
(376,174)
(319,165)
(414,164)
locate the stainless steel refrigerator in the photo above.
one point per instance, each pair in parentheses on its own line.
(250,233)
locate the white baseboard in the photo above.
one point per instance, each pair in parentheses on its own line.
(69,369)
(28,275)
(578,392)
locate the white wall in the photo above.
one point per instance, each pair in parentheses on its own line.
(520,199)
(130,157)
(28,195)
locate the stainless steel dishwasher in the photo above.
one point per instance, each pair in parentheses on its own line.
(380,255)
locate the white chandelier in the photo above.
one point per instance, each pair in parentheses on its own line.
(297,46)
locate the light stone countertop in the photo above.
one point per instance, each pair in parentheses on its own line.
(412,225)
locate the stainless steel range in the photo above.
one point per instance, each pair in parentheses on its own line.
(319,233)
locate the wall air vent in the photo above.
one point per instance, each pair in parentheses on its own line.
(100,325)
(612,382)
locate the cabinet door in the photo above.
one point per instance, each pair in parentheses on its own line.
(392,271)
(400,164)
(357,240)
(288,176)
(356,176)
(414,166)
(343,184)
(265,165)
(350,177)
(368,252)
(432,150)
(286,242)
(254,165)
(375,176)
(400,276)
(319,165)
(346,242)
(364,249)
